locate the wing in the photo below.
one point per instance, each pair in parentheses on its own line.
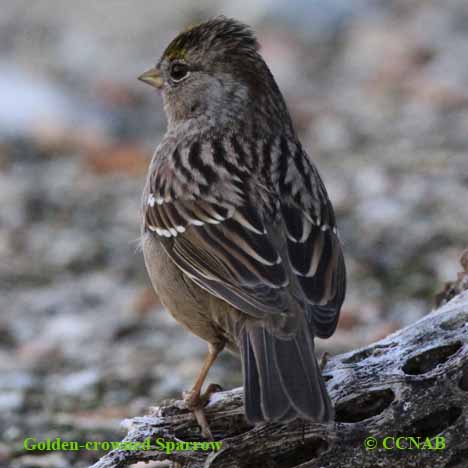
(225,250)
(314,249)
(253,260)
(317,262)
(196,204)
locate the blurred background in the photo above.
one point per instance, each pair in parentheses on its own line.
(379,93)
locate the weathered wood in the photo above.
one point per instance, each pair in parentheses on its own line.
(412,383)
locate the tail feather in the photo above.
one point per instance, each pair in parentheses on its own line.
(273,400)
(251,382)
(282,380)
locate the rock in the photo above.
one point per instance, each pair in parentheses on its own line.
(11,401)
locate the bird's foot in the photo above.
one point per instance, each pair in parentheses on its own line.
(196,402)
(194,399)
(191,399)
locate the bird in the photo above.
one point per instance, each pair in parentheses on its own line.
(239,236)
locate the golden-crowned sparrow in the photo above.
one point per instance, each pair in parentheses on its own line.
(239,236)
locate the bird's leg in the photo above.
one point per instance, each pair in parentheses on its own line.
(193,399)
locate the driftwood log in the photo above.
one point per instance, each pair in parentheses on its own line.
(413,383)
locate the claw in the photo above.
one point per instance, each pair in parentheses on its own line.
(195,403)
(203,423)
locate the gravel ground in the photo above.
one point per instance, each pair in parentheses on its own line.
(379,93)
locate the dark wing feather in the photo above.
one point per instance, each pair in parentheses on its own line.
(316,259)
(228,248)
(225,250)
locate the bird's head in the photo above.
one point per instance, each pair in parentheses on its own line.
(214,70)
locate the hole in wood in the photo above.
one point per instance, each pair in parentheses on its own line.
(458,459)
(435,423)
(358,357)
(361,355)
(430,359)
(455,323)
(365,406)
(312,448)
(463,384)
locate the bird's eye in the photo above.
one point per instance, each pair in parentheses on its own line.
(179,71)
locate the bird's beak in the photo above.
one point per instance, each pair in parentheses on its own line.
(152,77)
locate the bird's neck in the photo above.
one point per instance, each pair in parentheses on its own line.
(260,118)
